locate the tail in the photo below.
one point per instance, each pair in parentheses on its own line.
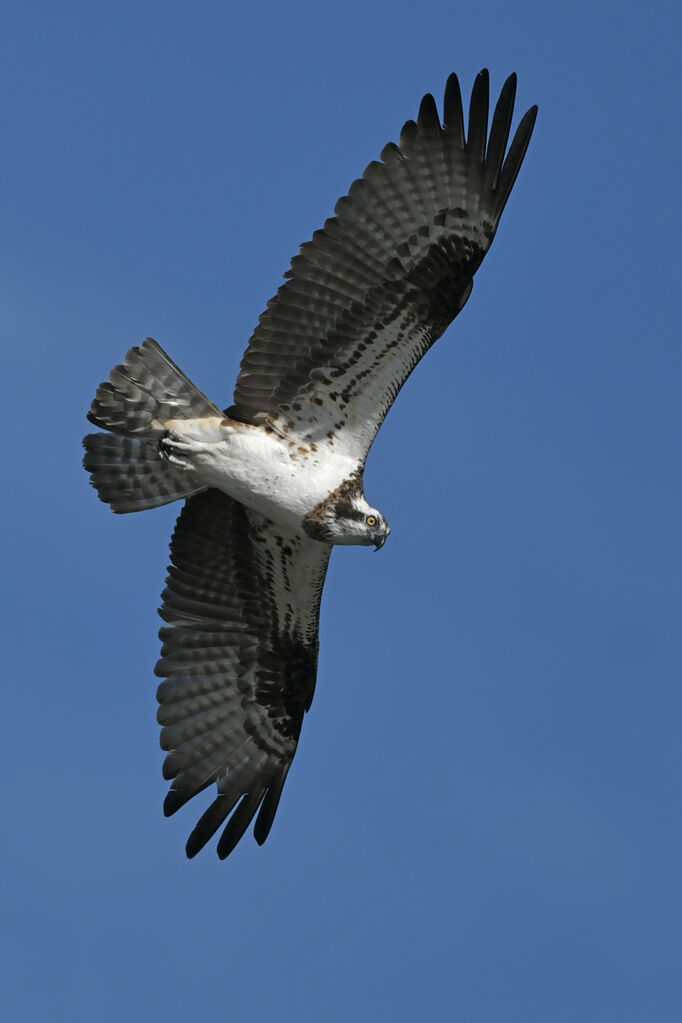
(126,466)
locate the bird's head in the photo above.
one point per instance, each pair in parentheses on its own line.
(355,522)
(347,519)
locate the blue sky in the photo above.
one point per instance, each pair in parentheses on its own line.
(482,822)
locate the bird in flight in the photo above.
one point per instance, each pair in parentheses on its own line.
(275,481)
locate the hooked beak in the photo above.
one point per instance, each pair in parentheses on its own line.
(380,539)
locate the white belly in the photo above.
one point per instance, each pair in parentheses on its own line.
(275,476)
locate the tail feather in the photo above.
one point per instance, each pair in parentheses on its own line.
(130,475)
(126,466)
(144,392)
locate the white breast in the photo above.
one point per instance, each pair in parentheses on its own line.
(280,478)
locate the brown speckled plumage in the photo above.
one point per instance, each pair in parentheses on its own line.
(363,302)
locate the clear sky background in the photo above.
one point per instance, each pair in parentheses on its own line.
(482,823)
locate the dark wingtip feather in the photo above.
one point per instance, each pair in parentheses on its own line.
(173,801)
(453,113)
(408,135)
(427,118)
(239,822)
(477,136)
(514,159)
(176,798)
(391,153)
(209,822)
(266,814)
(499,131)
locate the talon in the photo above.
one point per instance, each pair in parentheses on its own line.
(173,451)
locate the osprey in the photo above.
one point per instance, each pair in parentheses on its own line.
(273,482)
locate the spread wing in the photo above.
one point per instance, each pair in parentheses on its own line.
(239,659)
(374,289)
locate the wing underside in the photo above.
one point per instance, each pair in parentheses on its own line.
(377,286)
(239,660)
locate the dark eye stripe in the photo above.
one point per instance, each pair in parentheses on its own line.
(345,510)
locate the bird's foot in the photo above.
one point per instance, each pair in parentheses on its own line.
(179,451)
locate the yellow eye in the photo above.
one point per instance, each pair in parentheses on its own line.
(371,520)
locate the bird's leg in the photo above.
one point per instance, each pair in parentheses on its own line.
(178,450)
